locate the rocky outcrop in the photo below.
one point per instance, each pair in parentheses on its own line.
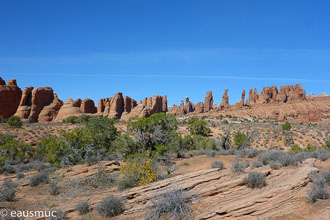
(41,97)
(10,96)
(38,105)
(49,112)
(217,194)
(70,108)
(129,104)
(189,107)
(287,94)
(88,106)
(242,103)
(116,106)
(225,100)
(253,96)
(199,107)
(147,107)
(208,102)
(164,103)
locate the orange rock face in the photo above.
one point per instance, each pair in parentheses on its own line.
(208,102)
(88,106)
(10,96)
(35,101)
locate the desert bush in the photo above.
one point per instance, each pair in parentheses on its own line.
(224,141)
(256,164)
(20,175)
(275,165)
(252,153)
(172,204)
(318,191)
(198,127)
(237,166)
(54,189)
(255,180)
(14,122)
(158,129)
(323,156)
(11,150)
(217,164)
(211,153)
(242,140)
(71,120)
(283,158)
(286,126)
(8,190)
(82,207)
(100,179)
(42,177)
(137,172)
(2,119)
(111,206)
(295,149)
(8,169)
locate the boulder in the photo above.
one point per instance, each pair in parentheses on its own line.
(208,102)
(10,96)
(88,106)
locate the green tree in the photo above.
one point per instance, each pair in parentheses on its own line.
(198,127)
(286,126)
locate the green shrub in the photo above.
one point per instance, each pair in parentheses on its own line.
(286,126)
(82,207)
(158,129)
(198,127)
(255,180)
(111,206)
(137,172)
(241,139)
(71,119)
(42,177)
(8,190)
(295,149)
(14,122)
(11,149)
(217,164)
(2,119)
(310,148)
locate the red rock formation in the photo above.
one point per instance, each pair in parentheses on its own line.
(116,106)
(88,106)
(101,105)
(10,96)
(41,97)
(242,103)
(189,107)
(288,93)
(208,102)
(24,108)
(199,107)
(157,104)
(268,95)
(70,108)
(49,112)
(225,100)
(2,82)
(129,104)
(164,103)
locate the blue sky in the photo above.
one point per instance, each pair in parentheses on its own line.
(93,48)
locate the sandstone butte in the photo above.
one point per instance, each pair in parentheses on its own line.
(43,105)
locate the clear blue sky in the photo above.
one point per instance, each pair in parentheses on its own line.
(91,48)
